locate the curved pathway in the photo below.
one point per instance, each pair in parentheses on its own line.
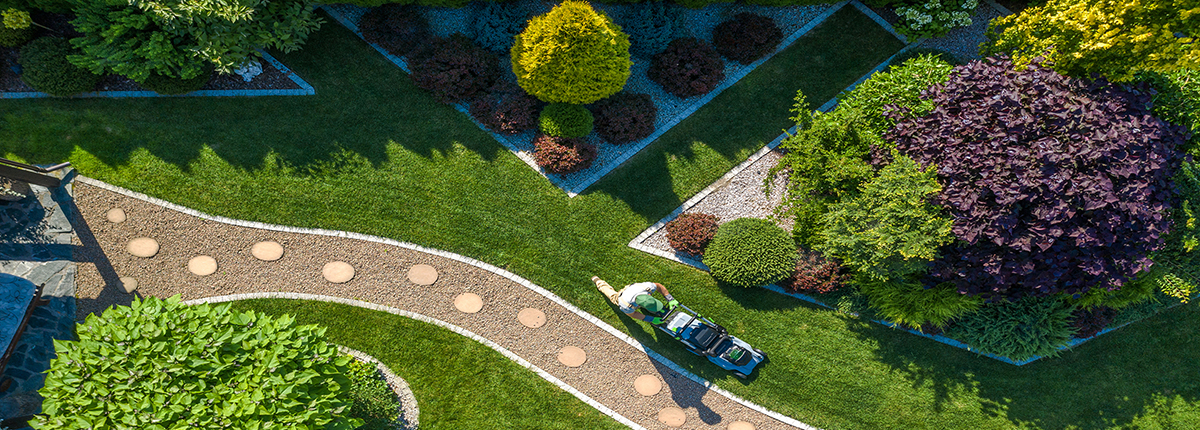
(207,258)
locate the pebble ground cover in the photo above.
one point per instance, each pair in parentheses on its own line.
(351,159)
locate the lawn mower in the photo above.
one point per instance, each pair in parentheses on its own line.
(705,338)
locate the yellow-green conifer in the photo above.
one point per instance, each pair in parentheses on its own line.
(573,54)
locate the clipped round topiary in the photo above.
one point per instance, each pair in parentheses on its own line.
(453,69)
(564,120)
(222,369)
(625,117)
(691,233)
(750,252)
(1020,330)
(687,68)
(563,154)
(45,68)
(396,28)
(573,54)
(507,110)
(747,37)
(170,86)
(815,274)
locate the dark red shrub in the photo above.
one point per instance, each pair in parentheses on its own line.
(453,69)
(815,274)
(687,68)
(690,233)
(747,37)
(625,117)
(1054,183)
(506,109)
(1088,322)
(563,154)
(396,28)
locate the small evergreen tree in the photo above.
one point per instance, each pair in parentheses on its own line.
(497,25)
(650,26)
(573,54)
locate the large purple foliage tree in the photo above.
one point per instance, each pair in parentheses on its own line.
(1055,184)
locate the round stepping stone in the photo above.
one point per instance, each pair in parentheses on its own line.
(267,251)
(422,274)
(468,303)
(202,265)
(647,385)
(740,425)
(532,318)
(338,272)
(115,215)
(128,284)
(672,416)
(571,356)
(143,247)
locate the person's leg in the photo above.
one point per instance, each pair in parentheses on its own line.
(606,289)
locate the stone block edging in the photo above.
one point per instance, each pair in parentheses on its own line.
(304,90)
(482,265)
(410,419)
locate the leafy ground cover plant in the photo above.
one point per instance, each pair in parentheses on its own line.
(687,68)
(372,401)
(565,120)
(750,252)
(563,154)
(506,109)
(453,69)
(625,117)
(690,233)
(572,54)
(396,28)
(1023,329)
(45,68)
(158,364)
(815,274)
(1055,184)
(934,18)
(747,37)
(496,25)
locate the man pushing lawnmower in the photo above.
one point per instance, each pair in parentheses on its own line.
(700,335)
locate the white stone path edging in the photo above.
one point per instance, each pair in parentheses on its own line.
(410,418)
(467,260)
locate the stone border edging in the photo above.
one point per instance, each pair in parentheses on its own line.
(304,90)
(482,265)
(410,419)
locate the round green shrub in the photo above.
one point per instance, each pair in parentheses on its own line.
(750,252)
(45,68)
(14,37)
(912,304)
(573,54)
(171,85)
(565,120)
(160,364)
(1020,330)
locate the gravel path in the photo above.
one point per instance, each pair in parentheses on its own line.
(607,376)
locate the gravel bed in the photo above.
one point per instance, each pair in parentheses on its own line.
(606,377)
(699,24)
(964,42)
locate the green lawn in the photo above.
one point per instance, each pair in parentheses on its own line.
(373,154)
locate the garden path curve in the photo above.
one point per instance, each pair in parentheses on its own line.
(383,279)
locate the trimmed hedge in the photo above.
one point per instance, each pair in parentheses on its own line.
(691,233)
(750,252)
(563,155)
(565,120)
(453,69)
(625,117)
(1020,330)
(747,37)
(572,54)
(687,68)
(45,68)
(396,28)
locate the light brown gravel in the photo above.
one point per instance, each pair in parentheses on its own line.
(607,376)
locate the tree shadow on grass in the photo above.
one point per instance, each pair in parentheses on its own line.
(1106,382)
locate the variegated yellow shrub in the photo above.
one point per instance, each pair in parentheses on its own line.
(573,54)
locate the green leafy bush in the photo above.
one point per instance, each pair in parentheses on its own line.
(16,29)
(565,120)
(890,230)
(158,364)
(910,303)
(750,252)
(45,68)
(168,85)
(371,399)
(900,85)
(573,54)
(1178,101)
(1027,328)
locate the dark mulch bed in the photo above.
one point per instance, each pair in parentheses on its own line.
(270,79)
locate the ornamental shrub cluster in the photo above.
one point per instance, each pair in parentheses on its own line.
(687,68)
(565,120)
(506,109)
(398,29)
(45,68)
(563,154)
(690,233)
(934,18)
(625,117)
(815,274)
(750,252)
(572,54)
(747,37)
(1020,330)
(453,69)
(650,26)
(158,364)
(497,24)
(1055,184)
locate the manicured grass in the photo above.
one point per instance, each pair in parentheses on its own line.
(458,383)
(373,154)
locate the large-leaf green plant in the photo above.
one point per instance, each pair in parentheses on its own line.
(158,365)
